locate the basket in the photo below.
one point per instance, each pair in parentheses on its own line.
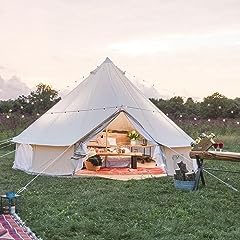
(184,185)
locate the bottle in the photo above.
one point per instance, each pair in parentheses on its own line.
(13,209)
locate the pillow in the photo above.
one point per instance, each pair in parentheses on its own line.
(112,141)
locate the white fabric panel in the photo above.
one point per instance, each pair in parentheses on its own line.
(175,155)
(62,129)
(80,156)
(44,155)
(163,130)
(23,157)
(104,92)
(158,156)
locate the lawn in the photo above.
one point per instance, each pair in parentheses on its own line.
(95,208)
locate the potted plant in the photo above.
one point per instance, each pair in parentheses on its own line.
(133,135)
(94,162)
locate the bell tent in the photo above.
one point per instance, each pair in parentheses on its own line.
(106,99)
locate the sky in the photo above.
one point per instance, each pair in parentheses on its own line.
(187,48)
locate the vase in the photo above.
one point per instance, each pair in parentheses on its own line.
(133,142)
(91,167)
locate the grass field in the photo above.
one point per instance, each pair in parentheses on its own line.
(95,208)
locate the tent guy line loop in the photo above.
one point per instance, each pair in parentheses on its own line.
(7,145)
(2,143)
(54,160)
(5,140)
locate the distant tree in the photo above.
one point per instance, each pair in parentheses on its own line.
(38,101)
(161,104)
(217,105)
(175,106)
(191,108)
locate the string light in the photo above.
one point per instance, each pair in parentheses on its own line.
(22,116)
(10,110)
(7,116)
(224,120)
(209,120)
(238,123)
(180,116)
(219,107)
(21,107)
(195,119)
(209,105)
(231,111)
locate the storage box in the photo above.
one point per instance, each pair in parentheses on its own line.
(184,185)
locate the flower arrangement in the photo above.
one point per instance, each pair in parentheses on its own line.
(203,142)
(133,135)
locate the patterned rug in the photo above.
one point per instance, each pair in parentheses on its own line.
(123,171)
(12,228)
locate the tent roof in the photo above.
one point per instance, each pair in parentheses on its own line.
(105,92)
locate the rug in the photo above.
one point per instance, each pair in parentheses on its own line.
(123,171)
(12,229)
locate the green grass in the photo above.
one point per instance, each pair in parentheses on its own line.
(95,208)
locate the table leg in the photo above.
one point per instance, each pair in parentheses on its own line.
(134,162)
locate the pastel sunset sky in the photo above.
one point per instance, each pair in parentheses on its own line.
(180,47)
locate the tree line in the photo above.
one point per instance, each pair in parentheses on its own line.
(212,107)
(22,111)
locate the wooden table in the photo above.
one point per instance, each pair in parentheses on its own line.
(216,155)
(133,156)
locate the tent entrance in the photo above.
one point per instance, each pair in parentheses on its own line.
(116,148)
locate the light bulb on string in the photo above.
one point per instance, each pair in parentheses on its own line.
(10,110)
(22,116)
(180,116)
(21,107)
(237,123)
(7,116)
(209,105)
(224,120)
(219,107)
(209,120)
(195,119)
(38,114)
(232,112)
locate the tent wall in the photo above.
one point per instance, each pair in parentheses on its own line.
(44,155)
(175,155)
(23,157)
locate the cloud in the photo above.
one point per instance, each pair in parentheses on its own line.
(12,88)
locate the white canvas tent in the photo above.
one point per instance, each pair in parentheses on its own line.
(105,97)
